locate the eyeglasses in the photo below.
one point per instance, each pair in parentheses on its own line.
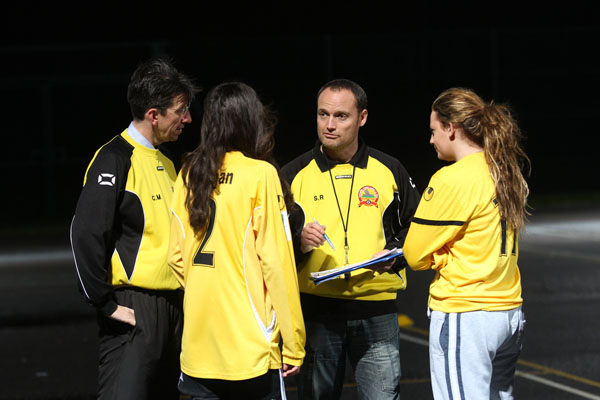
(182,110)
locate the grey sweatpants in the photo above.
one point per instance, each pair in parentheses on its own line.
(473,355)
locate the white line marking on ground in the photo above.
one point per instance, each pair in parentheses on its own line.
(413,339)
(573,229)
(571,255)
(557,385)
(14,259)
(525,375)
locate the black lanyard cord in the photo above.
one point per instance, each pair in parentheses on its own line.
(344,224)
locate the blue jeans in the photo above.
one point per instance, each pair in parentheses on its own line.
(372,346)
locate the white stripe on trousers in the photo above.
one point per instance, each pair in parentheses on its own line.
(453,360)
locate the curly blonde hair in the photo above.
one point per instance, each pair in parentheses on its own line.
(492,127)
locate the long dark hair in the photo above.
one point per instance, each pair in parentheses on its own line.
(234,120)
(492,127)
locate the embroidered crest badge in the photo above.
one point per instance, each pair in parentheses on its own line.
(368,196)
(428,194)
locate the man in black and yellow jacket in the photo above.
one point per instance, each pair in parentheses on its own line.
(363,200)
(120,238)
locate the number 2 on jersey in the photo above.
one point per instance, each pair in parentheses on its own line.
(203,258)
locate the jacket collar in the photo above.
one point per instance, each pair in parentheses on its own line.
(359,159)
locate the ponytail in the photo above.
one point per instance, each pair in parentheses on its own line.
(492,127)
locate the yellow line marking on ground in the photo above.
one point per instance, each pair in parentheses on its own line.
(553,371)
(541,368)
(405,321)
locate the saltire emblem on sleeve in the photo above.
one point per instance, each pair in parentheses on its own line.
(106,179)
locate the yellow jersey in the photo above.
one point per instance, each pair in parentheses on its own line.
(366,206)
(119,234)
(458,231)
(239,276)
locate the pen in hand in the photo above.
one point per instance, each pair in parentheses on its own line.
(325,235)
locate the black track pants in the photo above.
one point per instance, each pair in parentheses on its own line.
(142,362)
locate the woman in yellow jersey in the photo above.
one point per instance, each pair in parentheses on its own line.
(466,228)
(231,249)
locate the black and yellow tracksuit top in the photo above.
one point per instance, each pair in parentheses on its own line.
(120,231)
(377,213)
(458,232)
(241,290)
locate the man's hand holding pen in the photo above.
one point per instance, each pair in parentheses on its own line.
(313,235)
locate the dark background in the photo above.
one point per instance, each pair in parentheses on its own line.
(65,70)
(63,79)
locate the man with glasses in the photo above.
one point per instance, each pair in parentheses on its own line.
(120,237)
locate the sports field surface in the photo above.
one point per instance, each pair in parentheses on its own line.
(48,335)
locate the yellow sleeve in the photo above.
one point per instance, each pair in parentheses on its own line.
(439,219)
(177,235)
(275,250)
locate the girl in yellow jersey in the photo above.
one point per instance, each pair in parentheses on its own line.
(466,228)
(231,249)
